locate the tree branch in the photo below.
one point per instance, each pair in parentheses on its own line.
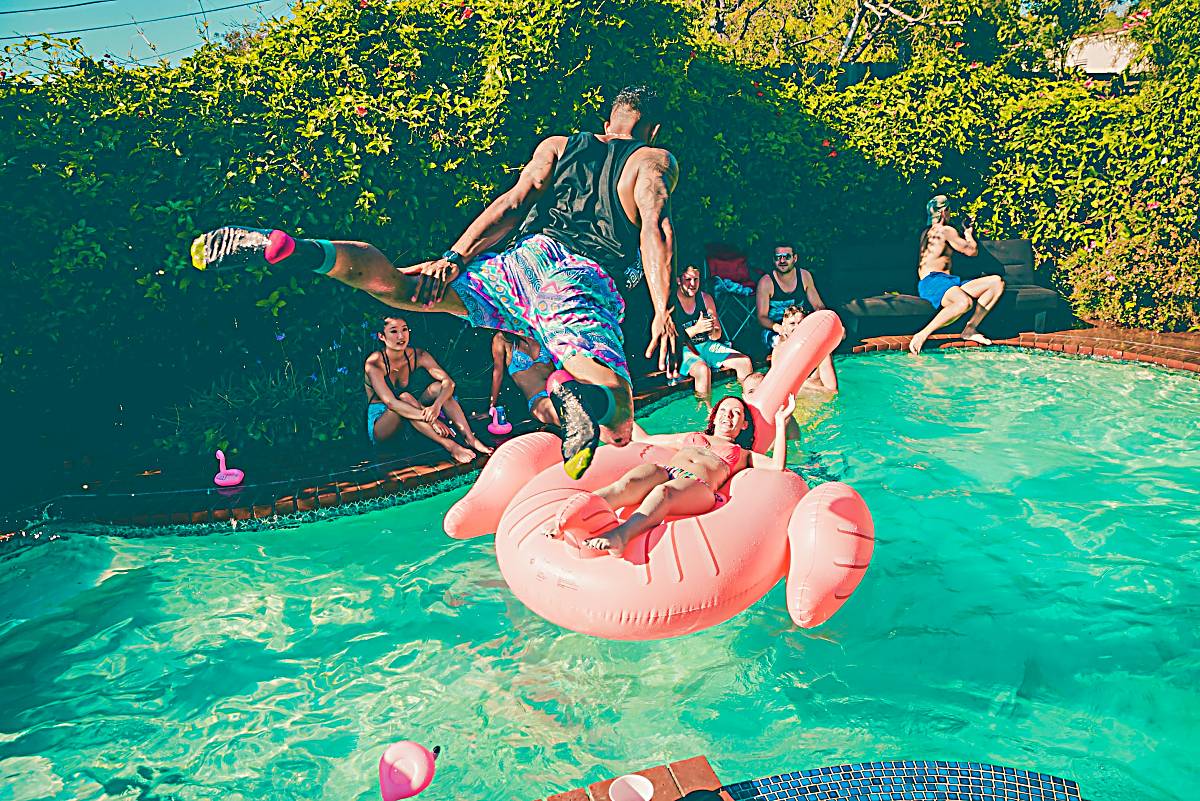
(866,42)
(849,40)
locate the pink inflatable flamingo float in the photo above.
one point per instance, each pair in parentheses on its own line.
(228,477)
(689,573)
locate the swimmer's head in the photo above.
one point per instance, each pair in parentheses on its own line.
(636,110)
(936,209)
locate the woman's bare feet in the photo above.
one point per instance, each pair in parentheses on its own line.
(612,541)
(461,455)
(474,442)
(586,521)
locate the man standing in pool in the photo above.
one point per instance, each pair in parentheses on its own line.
(950,296)
(585,207)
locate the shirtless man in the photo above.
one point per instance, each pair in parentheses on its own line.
(583,209)
(782,288)
(948,293)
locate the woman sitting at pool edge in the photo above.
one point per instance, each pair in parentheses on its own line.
(396,392)
(686,485)
(530,365)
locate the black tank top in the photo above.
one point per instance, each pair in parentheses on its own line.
(581,209)
(781,300)
(683,320)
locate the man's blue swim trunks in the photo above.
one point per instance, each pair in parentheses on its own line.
(934,287)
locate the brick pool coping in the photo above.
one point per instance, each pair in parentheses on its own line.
(671,782)
(1172,351)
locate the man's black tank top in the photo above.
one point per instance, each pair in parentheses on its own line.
(781,300)
(683,320)
(581,209)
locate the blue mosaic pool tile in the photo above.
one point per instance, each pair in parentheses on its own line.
(922,780)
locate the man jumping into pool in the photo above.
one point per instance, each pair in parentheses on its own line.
(590,204)
(686,485)
(950,296)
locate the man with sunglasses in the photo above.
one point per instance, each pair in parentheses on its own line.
(785,286)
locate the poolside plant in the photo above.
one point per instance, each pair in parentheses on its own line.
(392,121)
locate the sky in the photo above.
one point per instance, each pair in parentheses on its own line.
(174,39)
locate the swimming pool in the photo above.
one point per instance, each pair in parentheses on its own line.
(1032,602)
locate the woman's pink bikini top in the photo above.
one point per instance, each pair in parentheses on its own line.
(728,452)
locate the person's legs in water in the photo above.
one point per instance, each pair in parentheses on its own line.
(986,290)
(740,364)
(955,303)
(454,412)
(701,375)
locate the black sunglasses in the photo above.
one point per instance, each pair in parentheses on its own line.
(783,256)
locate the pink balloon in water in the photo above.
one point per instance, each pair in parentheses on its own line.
(405,769)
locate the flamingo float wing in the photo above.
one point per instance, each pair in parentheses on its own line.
(830,538)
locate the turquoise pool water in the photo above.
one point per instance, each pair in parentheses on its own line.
(1033,602)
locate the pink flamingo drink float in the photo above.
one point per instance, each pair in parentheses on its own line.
(228,477)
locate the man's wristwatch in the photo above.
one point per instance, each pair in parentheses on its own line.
(454,258)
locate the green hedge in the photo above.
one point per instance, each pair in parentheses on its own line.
(393,122)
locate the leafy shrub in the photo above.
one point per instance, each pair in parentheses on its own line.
(1147,279)
(267,410)
(394,121)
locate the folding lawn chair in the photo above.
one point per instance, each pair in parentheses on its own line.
(734,293)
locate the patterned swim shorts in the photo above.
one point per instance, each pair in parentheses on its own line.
(537,288)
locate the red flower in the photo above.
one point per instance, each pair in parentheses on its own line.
(360,111)
(973,65)
(467,12)
(760,94)
(824,143)
(362,3)
(1153,204)
(692,54)
(957,45)
(833,154)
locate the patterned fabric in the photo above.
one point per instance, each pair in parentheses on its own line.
(539,289)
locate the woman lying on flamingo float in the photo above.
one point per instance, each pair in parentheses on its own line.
(716,523)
